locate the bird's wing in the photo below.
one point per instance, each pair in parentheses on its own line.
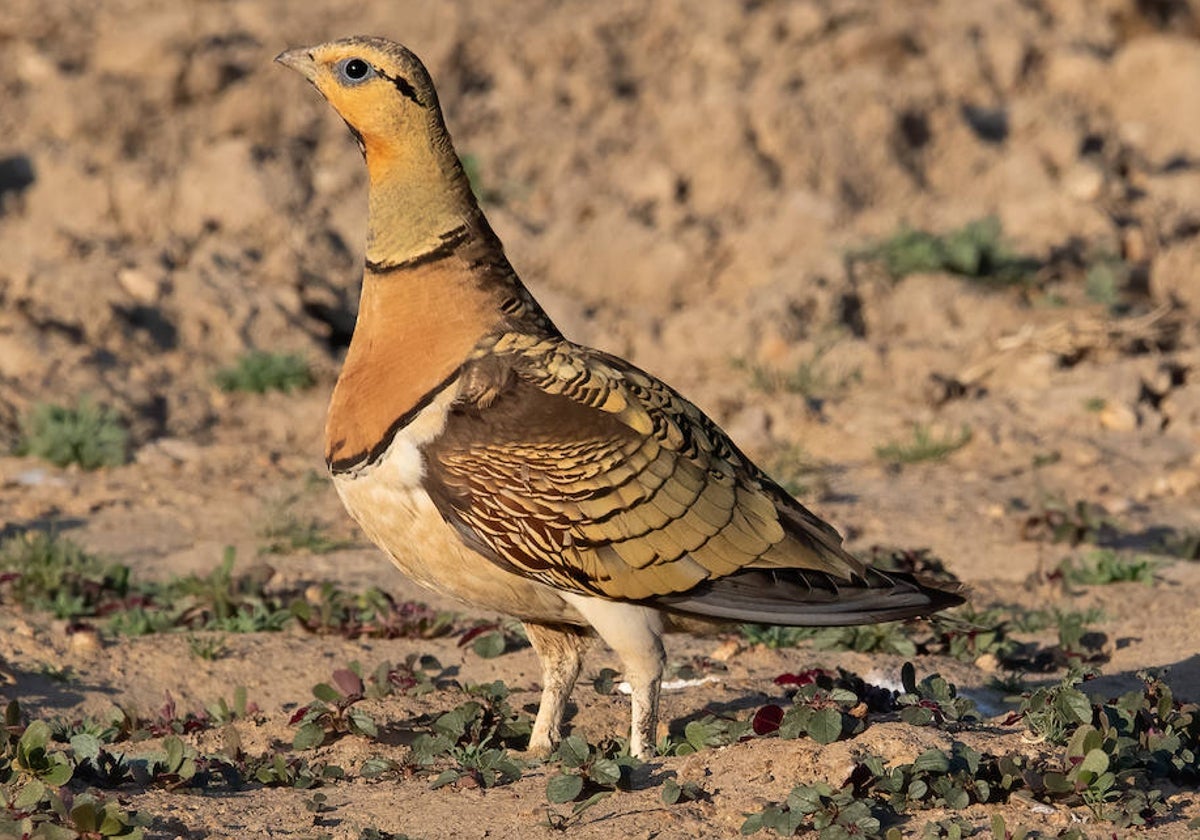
(575,468)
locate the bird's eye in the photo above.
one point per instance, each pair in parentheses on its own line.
(355,69)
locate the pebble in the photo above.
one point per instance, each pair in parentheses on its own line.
(726,651)
(1083,182)
(140,285)
(85,641)
(1118,417)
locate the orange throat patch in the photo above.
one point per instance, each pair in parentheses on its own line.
(416,327)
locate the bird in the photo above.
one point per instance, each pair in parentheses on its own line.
(499,463)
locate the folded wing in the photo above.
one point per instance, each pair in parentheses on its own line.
(574,468)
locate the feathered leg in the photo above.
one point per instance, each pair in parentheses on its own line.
(560,648)
(634,633)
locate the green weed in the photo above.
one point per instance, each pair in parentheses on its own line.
(587,775)
(923,446)
(289,534)
(1104,566)
(332,714)
(829,813)
(812,377)
(89,435)
(43,571)
(1058,520)
(976,251)
(260,371)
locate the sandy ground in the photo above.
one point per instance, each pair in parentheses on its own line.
(689,185)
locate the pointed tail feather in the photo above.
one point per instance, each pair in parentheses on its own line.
(804,598)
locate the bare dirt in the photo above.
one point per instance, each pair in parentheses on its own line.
(685,184)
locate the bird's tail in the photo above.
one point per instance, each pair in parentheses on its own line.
(807,598)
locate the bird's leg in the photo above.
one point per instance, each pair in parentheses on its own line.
(560,648)
(634,632)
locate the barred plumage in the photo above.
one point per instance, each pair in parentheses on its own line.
(496,461)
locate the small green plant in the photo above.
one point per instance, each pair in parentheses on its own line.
(372,833)
(415,676)
(976,251)
(259,371)
(1052,713)
(333,714)
(888,637)
(1105,565)
(173,767)
(937,778)
(705,733)
(1105,278)
(673,792)
(1184,545)
(924,446)
(492,639)
(89,435)
(831,814)
(209,647)
(43,571)
(810,377)
(933,701)
(1060,521)
(968,633)
(372,613)
(278,770)
(1094,404)
(288,534)
(821,709)
(36,761)
(475,737)
(588,775)
(775,637)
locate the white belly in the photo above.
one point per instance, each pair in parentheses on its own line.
(389,503)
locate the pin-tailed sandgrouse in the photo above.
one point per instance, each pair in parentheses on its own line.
(497,462)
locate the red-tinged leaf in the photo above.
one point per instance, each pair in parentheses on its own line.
(348,682)
(474,632)
(801,679)
(297,715)
(767,719)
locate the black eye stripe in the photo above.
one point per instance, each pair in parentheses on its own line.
(402,85)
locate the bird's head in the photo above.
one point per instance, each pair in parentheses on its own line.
(419,191)
(378,87)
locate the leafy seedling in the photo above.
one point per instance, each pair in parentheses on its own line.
(333,714)
(822,709)
(415,676)
(372,614)
(933,701)
(829,813)
(1060,521)
(588,775)
(89,435)
(1104,566)
(172,768)
(293,771)
(259,371)
(977,251)
(924,446)
(493,639)
(673,792)
(475,737)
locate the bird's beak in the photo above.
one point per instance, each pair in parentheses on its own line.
(300,60)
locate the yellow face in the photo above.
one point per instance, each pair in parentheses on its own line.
(379,88)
